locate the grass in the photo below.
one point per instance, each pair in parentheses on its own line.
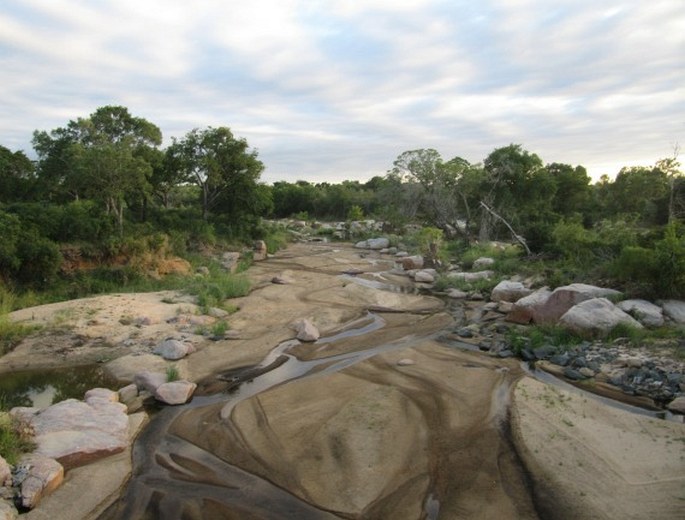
(172,374)
(11,333)
(219,328)
(16,437)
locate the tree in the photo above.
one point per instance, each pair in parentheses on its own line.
(16,175)
(221,165)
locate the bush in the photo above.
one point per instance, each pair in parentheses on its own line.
(16,437)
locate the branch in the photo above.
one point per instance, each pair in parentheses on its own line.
(516,236)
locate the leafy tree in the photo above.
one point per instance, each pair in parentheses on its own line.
(218,163)
(16,175)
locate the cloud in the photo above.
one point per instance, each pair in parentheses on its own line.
(337,89)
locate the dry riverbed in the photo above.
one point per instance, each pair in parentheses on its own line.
(383,422)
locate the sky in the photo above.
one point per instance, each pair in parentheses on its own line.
(328,90)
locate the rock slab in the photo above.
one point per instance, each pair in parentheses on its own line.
(44,476)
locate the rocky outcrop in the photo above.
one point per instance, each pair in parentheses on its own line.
(525,310)
(425,276)
(8,511)
(677,405)
(565,297)
(595,318)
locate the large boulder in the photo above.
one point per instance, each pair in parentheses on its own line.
(565,297)
(647,313)
(411,262)
(595,318)
(425,276)
(75,433)
(44,476)
(675,309)
(175,392)
(483,262)
(150,381)
(508,291)
(125,368)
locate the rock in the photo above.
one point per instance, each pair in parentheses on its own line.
(456,294)
(172,349)
(483,261)
(75,433)
(306,331)
(175,392)
(203,270)
(560,359)
(5,473)
(126,367)
(405,362)
(572,374)
(281,280)
(411,262)
(149,381)
(465,332)
(505,307)
(424,276)
(44,476)
(565,297)
(216,312)
(229,261)
(174,266)
(259,251)
(586,372)
(524,310)
(647,313)
(104,395)
(675,310)
(595,317)
(8,511)
(472,277)
(373,243)
(677,405)
(508,291)
(128,394)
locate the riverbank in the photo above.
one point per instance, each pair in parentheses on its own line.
(418,427)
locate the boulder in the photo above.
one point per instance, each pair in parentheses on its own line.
(149,381)
(172,349)
(595,317)
(75,433)
(411,262)
(524,310)
(125,368)
(306,331)
(5,473)
(508,291)
(472,277)
(483,262)
(101,395)
(424,276)
(647,313)
(8,511)
(456,294)
(44,476)
(175,392)
(565,297)
(229,261)
(675,310)
(677,405)
(128,393)
(373,243)
(259,251)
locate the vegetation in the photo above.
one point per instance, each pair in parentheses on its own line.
(16,437)
(172,374)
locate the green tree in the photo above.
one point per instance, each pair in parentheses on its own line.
(221,165)
(16,175)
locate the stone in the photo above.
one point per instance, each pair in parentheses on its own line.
(75,433)
(125,368)
(216,312)
(505,307)
(405,362)
(5,473)
(175,392)
(101,395)
(44,476)
(8,511)
(229,261)
(306,331)
(424,276)
(565,297)
(172,349)
(645,312)
(203,270)
(149,381)
(378,243)
(508,291)
(586,372)
(572,374)
(675,310)
(472,277)
(483,261)
(259,251)
(596,318)
(281,280)
(456,294)
(411,262)
(677,405)
(524,310)
(128,393)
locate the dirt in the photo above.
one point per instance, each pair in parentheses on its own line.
(428,437)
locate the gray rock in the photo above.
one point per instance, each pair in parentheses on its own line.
(229,261)
(128,393)
(509,291)
(560,359)
(456,294)
(172,349)
(149,381)
(5,473)
(677,405)
(472,277)
(101,395)
(424,276)
(306,331)
(216,312)
(76,433)
(586,372)
(373,243)
(675,310)
(506,353)
(483,261)
(647,313)
(411,262)
(8,511)
(595,317)
(525,309)
(572,374)
(44,476)
(565,297)
(175,392)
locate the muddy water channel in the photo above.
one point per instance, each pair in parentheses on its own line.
(376,420)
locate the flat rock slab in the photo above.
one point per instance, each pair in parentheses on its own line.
(76,433)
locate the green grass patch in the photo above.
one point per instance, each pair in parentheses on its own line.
(16,437)
(172,374)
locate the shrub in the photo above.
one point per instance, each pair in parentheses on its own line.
(16,437)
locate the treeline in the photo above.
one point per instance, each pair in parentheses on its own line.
(105,185)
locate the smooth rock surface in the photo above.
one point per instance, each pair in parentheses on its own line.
(44,476)
(509,291)
(307,331)
(483,261)
(172,349)
(565,297)
(175,392)
(645,312)
(677,405)
(8,511)
(411,262)
(675,309)
(150,381)
(424,276)
(525,309)
(596,318)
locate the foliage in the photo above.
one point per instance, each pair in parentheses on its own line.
(16,437)
(172,374)
(355,213)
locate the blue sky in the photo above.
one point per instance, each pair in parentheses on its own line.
(328,90)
